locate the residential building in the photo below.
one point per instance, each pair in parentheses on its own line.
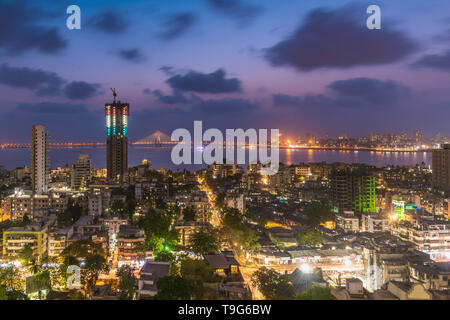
(373,222)
(34,234)
(57,241)
(40,160)
(186,230)
(428,236)
(347,222)
(441,168)
(81,172)
(150,273)
(353,190)
(128,239)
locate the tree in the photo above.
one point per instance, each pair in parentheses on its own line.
(316,293)
(310,237)
(249,240)
(189,214)
(204,241)
(10,278)
(127,282)
(38,282)
(220,201)
(6,294)
(258,215)
(237,232)
(273,285)
(94,265)
(318,213)
(160,204)
(20,223)
(172,288)
(26,255)
(159,234)
(91,259)
(165,256)
(3,293)
(197,272)
(72,213)
(119,208)
(197,268)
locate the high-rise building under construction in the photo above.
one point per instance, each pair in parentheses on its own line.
(117,139)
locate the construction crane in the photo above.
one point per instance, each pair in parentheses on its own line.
(114,93)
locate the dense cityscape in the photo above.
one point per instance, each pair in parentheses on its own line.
(312,231)
(212,158)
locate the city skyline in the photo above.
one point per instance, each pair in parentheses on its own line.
(213,152)
(175,68)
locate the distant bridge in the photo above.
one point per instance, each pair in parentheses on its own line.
(54,145)
(158,138)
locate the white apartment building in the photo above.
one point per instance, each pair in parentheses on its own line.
(40,163)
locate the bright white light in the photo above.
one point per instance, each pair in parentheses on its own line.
(347,262)
(17,264)
(306,268)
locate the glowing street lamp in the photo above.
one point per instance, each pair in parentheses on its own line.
(306,268)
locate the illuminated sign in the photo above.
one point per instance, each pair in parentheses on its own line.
(398,210)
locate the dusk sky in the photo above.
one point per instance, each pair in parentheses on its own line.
(297,65)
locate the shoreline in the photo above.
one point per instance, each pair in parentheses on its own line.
(169,146)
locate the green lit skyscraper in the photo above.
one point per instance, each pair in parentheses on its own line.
(353,190)
(117,138)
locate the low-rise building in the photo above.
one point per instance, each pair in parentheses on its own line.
(128,239)
(373,222)
(34,234)
(428,236)
(433,276)
(150,273)
(236,201)
(223,263)
(409,291)
(57,241)
(186,229)
(347,222)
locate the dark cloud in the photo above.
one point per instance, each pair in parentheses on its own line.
(78,90)
(147,91)
(214,82)
(339,39)
(351,93)
(21,29)
(168,70)
(444,36)
(370,91)
(43,83)
(242,12)
(311,101)
(226,105)
(435,61)
(176,98)
(176,25)
(109,22)
(133,55)
(52,108)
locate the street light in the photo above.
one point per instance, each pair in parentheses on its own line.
(306,268)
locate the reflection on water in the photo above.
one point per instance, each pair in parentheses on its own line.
(12,158)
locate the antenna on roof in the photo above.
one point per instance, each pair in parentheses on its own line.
(114,94)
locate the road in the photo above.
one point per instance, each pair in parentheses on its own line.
(211,201)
